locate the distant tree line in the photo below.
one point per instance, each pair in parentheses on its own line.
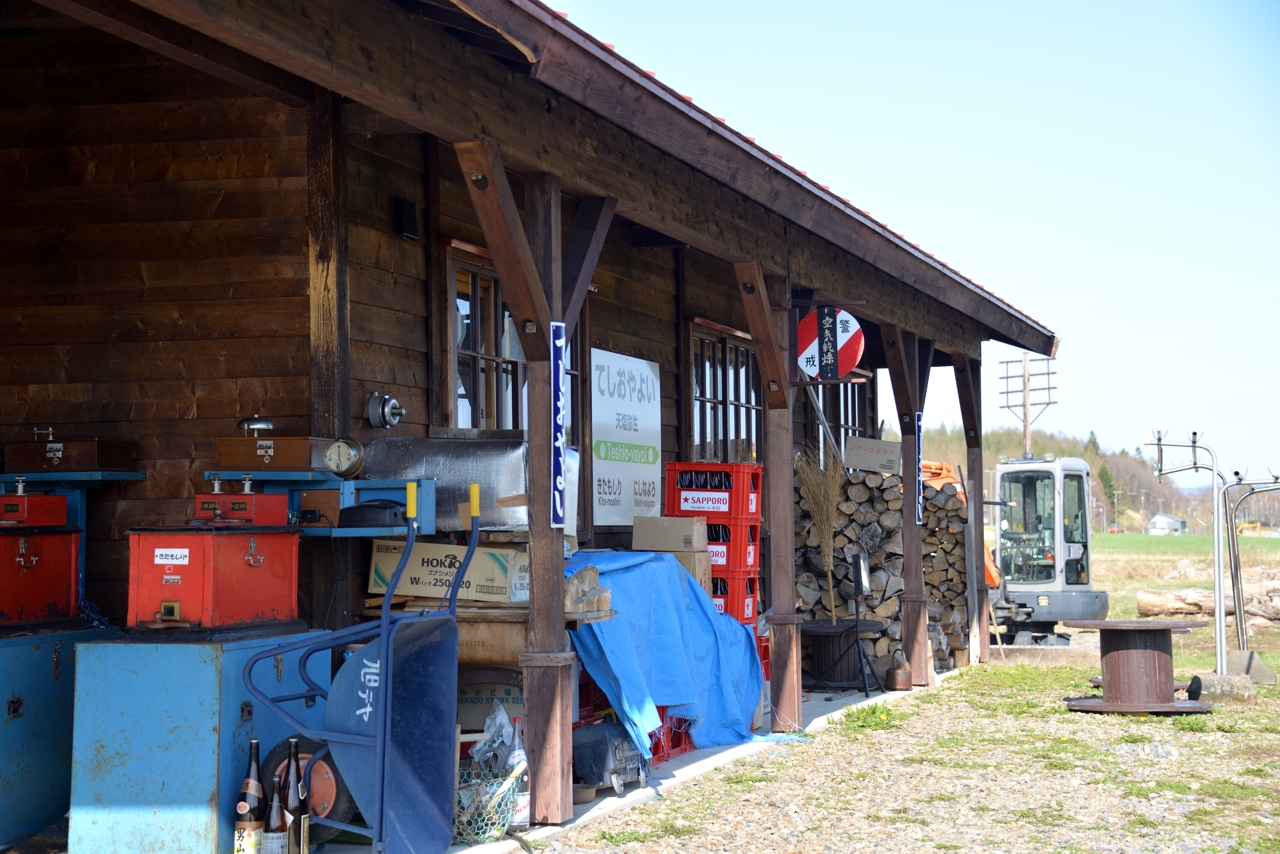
(1123,485)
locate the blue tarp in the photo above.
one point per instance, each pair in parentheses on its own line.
(668,646)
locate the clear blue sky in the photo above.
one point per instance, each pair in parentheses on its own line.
(1112,169)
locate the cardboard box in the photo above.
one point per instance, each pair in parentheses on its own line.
(669,533)
(495,575)
(698,564)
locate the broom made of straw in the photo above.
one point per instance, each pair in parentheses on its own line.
(822,488)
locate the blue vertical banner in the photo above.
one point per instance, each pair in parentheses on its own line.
(919,469)
(559,422)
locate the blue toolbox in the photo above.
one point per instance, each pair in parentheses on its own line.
(37,681)
(162,734)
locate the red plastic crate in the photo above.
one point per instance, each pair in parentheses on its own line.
(736,594)
(762,649)
(699,489)
(734,543)
(670,739)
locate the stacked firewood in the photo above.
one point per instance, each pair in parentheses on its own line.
(870,522)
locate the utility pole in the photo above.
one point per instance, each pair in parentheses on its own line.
(1115,502)
(1143,509)
(1033,383)
(1159,505)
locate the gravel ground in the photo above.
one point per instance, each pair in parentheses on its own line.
(989,762)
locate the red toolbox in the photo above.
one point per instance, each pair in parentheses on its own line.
(735,594)
(39,571)
(222,575)
(734,544)
(29,510)
(712,489)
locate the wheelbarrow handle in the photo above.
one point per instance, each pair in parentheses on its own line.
(471,550)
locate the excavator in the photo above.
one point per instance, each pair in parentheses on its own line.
(1039,574)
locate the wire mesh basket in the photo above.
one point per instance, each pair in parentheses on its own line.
(482,806)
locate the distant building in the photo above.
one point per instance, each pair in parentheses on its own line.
(1163,523)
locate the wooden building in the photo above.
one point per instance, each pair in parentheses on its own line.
(215,208)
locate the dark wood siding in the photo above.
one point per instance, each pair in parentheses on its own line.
(388,276)
(155,268)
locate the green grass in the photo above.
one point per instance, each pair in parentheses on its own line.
(857,720)
(749,777)
(665,827)
(1133,738)
(1191,723)
(1258,549)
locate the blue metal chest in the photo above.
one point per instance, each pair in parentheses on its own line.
(37,686)
(162,740)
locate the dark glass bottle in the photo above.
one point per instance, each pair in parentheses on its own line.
(275,831)
(295,798)
(251,807)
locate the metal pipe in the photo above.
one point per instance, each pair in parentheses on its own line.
(1219,598)
(1237,570)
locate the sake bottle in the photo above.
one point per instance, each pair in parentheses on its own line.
(275,832)
(250,807)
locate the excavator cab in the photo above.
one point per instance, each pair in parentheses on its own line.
(1042,545)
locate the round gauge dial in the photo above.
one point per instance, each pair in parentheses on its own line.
(344,457)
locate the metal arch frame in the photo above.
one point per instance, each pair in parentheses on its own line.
(1233,549)
(1219,487)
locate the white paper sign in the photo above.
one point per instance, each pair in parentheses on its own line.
(173,556)
(872,455)
(626,438)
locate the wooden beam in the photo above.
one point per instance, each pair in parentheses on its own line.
(755,302)
(327,257)
(366,121)
(582,252)
(571,63)
(784,623)
(903,351)
(441,293)
(543,230)
(547,702)
(25,15)
(969,390)
(495,206)
(182,44)
(412,71)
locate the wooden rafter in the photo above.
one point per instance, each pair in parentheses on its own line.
(582,252)
(755,302)
(182,44)
(495,207)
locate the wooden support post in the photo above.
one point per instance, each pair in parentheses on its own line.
(767,318)
(327,253)
(909,358)
(969,390)
(548,691)
(528,258)
(330,326)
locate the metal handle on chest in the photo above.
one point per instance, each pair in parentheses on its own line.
(22,550)
(253,558)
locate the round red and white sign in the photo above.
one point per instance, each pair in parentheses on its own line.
(830,343)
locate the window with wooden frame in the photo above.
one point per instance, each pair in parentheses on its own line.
(728,409)
(489,380)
